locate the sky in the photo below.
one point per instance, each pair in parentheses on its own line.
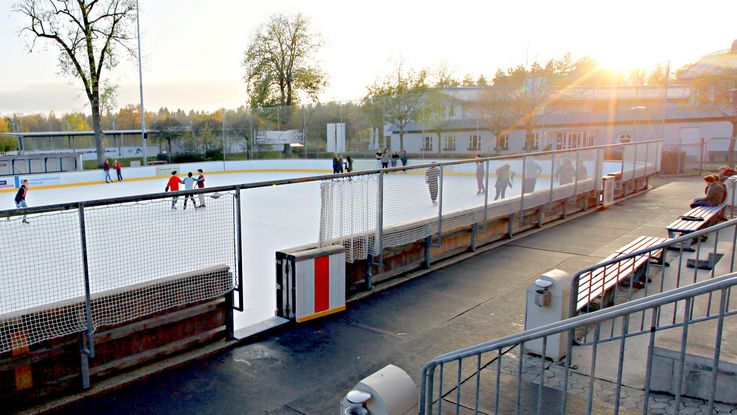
(193,49)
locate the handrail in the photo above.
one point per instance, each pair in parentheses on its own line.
(609,313)
(279,182)
(663,245)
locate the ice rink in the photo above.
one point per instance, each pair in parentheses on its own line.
(136,242)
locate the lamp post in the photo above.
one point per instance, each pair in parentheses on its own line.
(140,85)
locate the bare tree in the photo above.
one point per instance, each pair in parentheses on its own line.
(495,110)
(435,112)
(88,35)
(280,61)
(716,91)
(400,96)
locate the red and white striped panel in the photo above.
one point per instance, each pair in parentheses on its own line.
(320,286)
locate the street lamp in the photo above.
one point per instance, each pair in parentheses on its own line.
(140,84)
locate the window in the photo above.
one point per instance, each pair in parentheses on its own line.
(474,143)
(533,141)
(502,142)
(427,144)
(450,143)
(625,138)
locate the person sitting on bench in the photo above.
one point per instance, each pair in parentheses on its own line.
(714,194)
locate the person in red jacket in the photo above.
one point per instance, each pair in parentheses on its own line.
(118,170)
(173,185)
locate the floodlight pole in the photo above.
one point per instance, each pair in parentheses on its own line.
(140,83)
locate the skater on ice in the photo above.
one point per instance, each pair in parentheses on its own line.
(502,181)
(118,170)
(480,173)
(189,183)
(201,185)
(20,198)
(106,169)
(173,185)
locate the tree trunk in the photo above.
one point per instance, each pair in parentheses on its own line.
(99,148)
(401,140)
(732,140)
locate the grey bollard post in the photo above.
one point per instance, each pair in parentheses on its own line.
(390,391)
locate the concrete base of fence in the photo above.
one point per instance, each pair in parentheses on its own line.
(696,376)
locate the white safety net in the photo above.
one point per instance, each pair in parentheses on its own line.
(348,214)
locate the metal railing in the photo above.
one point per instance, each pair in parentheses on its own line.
(500,377)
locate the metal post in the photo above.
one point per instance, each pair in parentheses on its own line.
(701,158)
(239,246)
(440,209)
(486,194)
(647,157)
(552,175)
(88,343)
(140,84)
(224,140)
(380,220)
(522,193)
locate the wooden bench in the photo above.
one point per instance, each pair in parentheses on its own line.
(708,216)
(596,285)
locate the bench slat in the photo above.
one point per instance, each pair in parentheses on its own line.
(592,284)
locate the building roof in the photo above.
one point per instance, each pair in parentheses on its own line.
(75,133)
(713,63)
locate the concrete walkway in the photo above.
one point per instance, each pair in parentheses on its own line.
(308,368)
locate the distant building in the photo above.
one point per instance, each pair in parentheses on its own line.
(580,117)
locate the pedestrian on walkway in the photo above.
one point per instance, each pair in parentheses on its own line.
(189,183)
(201,185)
(20,197)
(106,169)
(404,160)
(480,174)
(502,181)
(432,176)
(379,154)
(173,185)
(395,159)
(118,171)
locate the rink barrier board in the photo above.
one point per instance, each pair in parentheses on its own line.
(32,375)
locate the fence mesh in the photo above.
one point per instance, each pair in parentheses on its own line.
(177,242)
(348,215)
(42,265)
(143,258)
(411,205)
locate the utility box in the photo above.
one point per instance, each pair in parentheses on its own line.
(310,283)
(548,301)
(608,187)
